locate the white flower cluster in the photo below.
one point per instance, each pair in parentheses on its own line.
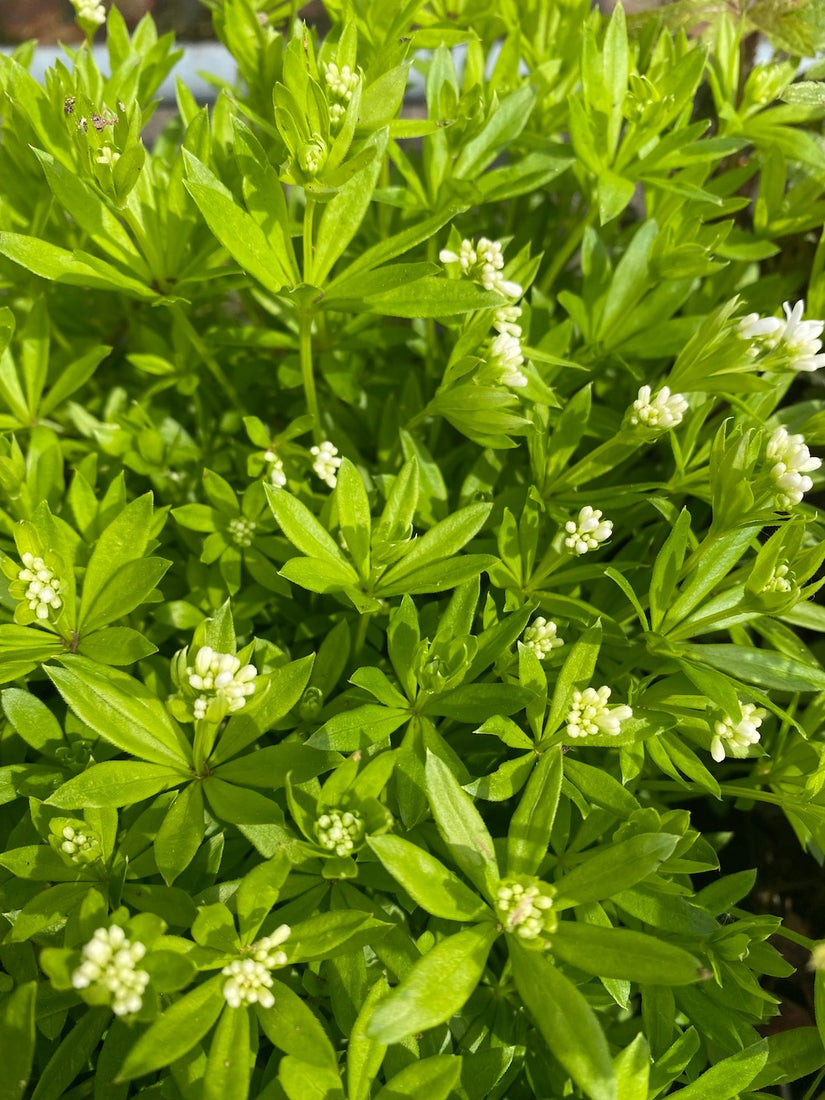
(339,831)
(590,715)
(43,588)
(483,262)
(730,736)
(275,469)
(342,82)
(110,961)
(506,359)
(524,909)
(663,410)
(242,530)
(326,462)
(780,580)
(90,11)
(250,980)
(791,463)
(75,843)
(107,155)
(219,675)
(587,531)
(505,320)
(799,339)
(540,636)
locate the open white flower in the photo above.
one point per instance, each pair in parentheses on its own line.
(791,463)
(590,715)
(587,531)
(754,327)
(801,339)
(796,340)
(110,961)
(663,410)
(735,737)
(326,462)
(540,637)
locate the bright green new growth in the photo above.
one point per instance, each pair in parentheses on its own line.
(407,509)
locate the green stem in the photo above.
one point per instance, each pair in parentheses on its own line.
(361,635)
(753,794)
(305,324)
(309,245)
(307,376)
(796,937)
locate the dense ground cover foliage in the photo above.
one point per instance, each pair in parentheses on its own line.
(406,513)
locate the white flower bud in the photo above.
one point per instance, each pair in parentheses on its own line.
(665,410)
(339,831)
(587,531)
(109,961)
(506,358)
(590,715)
(525,908)
(42,592)
(735,737)
(250,980)
(242,531)
(540,636)
(483,262)
(219,676)
(326,462)
(791,463)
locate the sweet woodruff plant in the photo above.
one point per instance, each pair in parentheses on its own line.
(410,542)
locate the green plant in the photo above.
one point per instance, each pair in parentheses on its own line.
(405,516)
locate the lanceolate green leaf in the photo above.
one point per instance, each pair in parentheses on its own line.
(76,268)
(615,868)
(237,231)
(427,880)
(122,711)
(436,988)
(228,1066)
(566,1022)
(529,835)
(343,215)
(461,825)
(620,953)
(304,531)
(117,783)
(434,1077)
(17,1038)
(292,1027)
(175,1032)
